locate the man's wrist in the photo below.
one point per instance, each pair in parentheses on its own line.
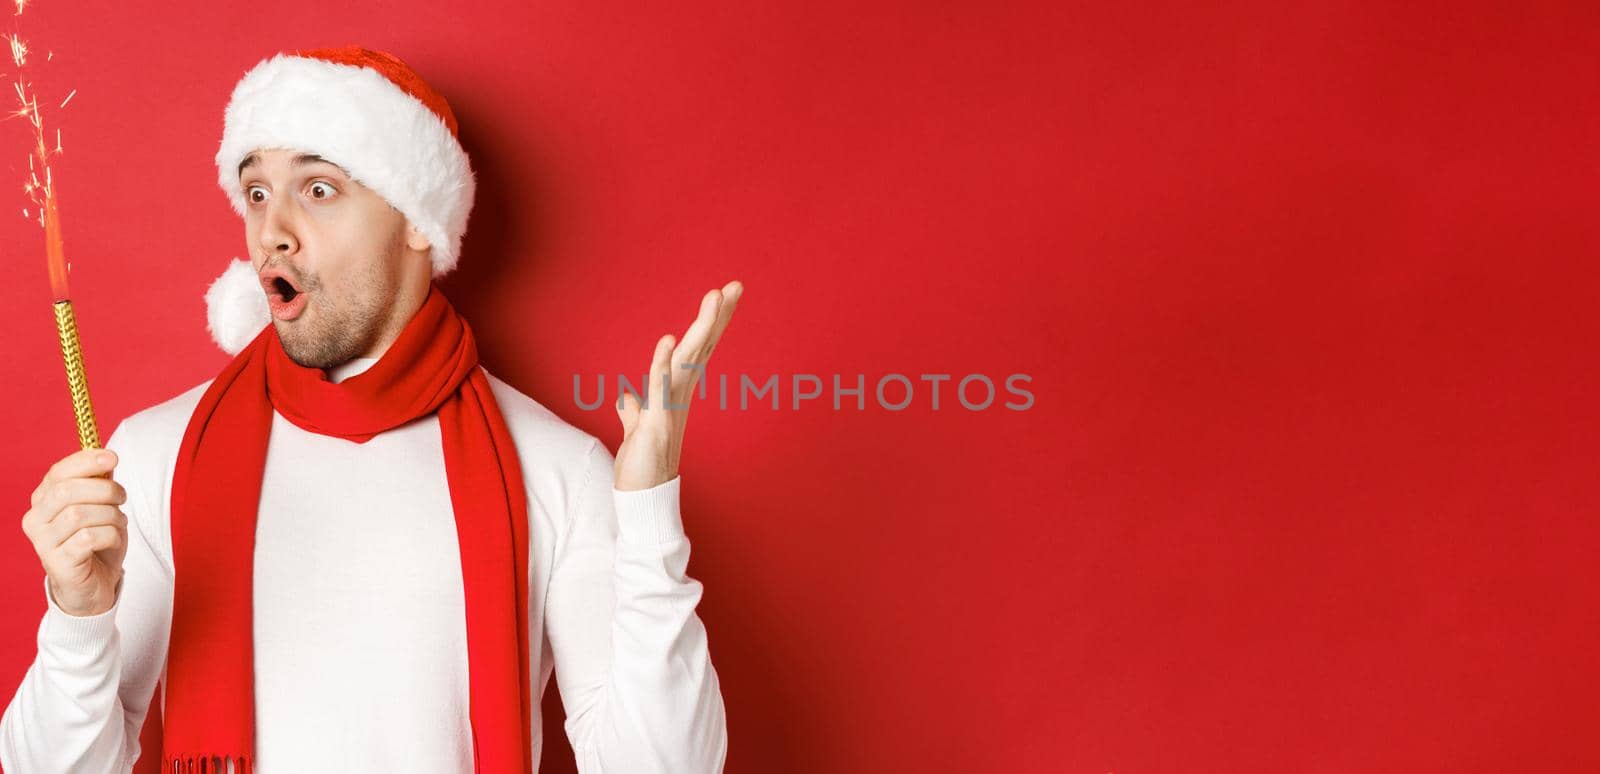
(54,601)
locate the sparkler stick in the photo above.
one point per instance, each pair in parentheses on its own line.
(44,196)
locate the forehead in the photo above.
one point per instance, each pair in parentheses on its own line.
(296,159)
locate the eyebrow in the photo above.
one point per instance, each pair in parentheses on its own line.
(299,161)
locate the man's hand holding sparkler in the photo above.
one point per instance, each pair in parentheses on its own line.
(652,434)
(80,534)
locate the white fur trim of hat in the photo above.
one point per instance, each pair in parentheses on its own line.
(361,119)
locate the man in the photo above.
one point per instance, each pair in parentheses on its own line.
(355,550)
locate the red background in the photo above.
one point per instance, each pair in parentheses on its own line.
(1306,292)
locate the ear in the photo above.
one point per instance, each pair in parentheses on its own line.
(416,240)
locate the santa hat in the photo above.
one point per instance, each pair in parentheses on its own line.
(367,112)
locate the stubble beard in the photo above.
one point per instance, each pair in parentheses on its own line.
(328,333)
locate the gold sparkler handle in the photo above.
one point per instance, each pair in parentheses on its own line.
(77,381)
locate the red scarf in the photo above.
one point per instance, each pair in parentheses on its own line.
(432,366)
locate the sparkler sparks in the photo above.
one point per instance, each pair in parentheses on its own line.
(43,195)
(19,51)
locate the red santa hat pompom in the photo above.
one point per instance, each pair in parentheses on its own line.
(367,112)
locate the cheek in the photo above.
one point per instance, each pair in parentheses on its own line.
(358,251)
(326,216)
(343,232)
(358,271)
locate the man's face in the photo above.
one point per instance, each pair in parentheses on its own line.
(334,257)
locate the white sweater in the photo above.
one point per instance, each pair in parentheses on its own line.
(360,621)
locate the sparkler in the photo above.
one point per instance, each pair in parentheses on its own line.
(45,198)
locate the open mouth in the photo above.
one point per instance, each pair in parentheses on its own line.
(285,299)
(284,288)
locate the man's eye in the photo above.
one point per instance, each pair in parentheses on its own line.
(250,194)
(323,186)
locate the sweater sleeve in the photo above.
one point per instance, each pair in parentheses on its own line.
(83,701)
(631,657)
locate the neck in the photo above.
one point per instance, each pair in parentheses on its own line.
(349,368)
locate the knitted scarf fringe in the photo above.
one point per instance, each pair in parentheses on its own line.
(205,764)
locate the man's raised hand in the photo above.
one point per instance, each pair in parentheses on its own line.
(652,433)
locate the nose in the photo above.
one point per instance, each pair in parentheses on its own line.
(278,229)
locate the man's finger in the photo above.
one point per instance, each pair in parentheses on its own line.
(627,411)
(694,339)
(659,390)
(730,301)
(84,463)
(62,493)
(701,339)
(89,540)
(75,518)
